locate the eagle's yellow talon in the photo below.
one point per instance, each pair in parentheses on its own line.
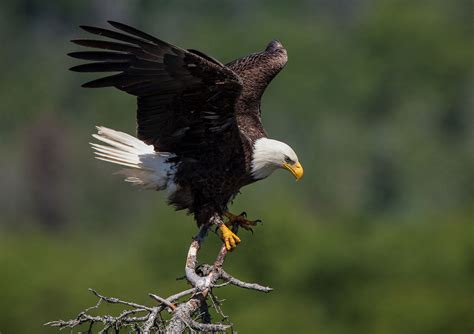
(230,239)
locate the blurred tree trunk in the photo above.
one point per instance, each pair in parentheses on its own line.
(45,173)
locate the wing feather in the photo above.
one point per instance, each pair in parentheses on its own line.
(257,70)
(176,89)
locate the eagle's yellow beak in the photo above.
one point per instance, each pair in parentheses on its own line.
(296,170)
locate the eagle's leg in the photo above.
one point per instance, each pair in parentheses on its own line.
(230,239)
(241,220)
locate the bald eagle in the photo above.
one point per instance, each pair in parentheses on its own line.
(199,131)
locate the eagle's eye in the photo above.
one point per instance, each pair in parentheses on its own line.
(288,160)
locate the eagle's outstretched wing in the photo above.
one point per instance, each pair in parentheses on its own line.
(256,71)
(185,98)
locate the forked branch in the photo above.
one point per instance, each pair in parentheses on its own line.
(169,315)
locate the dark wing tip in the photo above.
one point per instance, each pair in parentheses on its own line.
(118,25)
(77,68)
(137,33)
(89,84)
(81,41)
(274,45)
(101,67)
(99,83)
(90,29)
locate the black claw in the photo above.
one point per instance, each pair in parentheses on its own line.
(258,221)
(251,230)
(244,214)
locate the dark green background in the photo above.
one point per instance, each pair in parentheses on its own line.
(377,100)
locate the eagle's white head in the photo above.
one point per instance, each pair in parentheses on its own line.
(270,155)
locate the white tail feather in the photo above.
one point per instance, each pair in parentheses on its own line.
(147,168)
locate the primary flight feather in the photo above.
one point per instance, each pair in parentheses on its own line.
(199,131)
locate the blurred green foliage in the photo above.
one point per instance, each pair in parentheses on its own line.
(377,101)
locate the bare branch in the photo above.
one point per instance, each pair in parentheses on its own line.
(253,286)
(163,300)
(203,279)
(113,300)
(150,322)
(180,294)
(209,327)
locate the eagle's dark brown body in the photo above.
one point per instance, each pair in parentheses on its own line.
(205,113)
